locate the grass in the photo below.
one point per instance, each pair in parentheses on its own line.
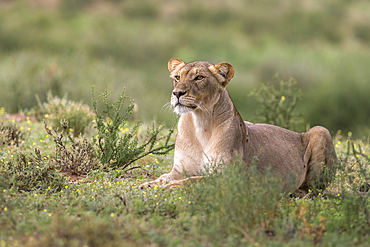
(117,44)
(233,208)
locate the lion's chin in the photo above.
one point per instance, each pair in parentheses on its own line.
(181,109)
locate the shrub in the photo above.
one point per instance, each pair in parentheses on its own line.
(78,115)
(352,195)
(77,159)
(30,172)
(277,102)
(10,133)
(120,151)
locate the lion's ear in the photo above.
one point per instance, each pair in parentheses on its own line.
(223,72)
(226,70)
(175,64)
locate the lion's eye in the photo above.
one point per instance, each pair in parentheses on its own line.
(177,78)
(199,77)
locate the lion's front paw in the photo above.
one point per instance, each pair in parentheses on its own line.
(152,184)
(160,182)
(145,185)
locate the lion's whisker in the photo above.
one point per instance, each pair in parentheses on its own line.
(167,106)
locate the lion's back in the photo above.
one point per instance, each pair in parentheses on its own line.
(270,145)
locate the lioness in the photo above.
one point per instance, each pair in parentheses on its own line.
(211,129)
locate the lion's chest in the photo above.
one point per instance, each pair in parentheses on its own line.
(203,136)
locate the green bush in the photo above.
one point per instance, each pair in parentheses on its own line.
(78,158)
(276,102)
(362,32)
(351,197)
(78,115)
(26,172)
(120,151)
(10,133)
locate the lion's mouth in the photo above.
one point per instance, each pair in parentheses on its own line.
(182,109)
(187,106)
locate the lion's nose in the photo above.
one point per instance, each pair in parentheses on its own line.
(178,94)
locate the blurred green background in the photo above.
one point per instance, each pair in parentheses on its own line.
(66,46)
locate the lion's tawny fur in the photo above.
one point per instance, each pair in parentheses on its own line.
(211,129)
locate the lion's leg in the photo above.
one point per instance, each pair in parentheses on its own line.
(161,181)
(188,161)
(320,158)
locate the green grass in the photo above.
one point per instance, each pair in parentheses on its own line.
(233,208)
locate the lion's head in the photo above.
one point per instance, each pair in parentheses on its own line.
(197,86)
